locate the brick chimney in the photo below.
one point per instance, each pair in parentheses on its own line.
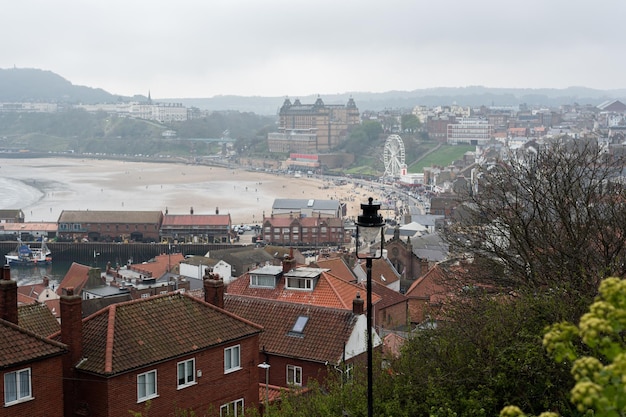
(8,296)
(213,289)
(72,336)
(289,262)
(424,267)
(358,305)
(72,325)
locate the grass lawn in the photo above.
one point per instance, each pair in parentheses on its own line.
(443,156)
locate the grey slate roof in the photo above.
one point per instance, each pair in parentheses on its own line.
(92,216)
(430,247)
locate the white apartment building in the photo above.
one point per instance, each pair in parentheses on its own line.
(160,112)
(472,131)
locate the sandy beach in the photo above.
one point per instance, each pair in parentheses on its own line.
(44,187)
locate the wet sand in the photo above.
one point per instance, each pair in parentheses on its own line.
(44,187)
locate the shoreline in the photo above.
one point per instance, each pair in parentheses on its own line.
(175,188)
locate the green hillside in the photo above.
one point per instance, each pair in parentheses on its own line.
(443,155)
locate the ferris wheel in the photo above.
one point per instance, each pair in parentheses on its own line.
(393,156)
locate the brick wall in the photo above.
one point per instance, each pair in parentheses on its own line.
(47,390)
(278,370)
(214,388)
(393,316)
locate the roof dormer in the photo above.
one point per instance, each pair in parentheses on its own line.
(265,277)
(303,278)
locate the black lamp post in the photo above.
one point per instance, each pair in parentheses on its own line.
(369,245)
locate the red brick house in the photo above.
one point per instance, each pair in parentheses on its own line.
(178,352)
(392,311)
(308,231)
(303,342)
(30,364)
(427,295)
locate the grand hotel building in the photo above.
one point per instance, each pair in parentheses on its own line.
(311,128)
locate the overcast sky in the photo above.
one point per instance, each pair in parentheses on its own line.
(204,48)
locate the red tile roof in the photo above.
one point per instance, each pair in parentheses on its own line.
(133,334)
(196,219)
(323,338)
(38,319)
(388,296)
(430,286)
(330,291)
(274,392)
(159,266)
(30,292)
(19,345)
(29,226)
(76,277)
(381,268)
(338,266)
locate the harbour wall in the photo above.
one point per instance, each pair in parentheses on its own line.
(121,253)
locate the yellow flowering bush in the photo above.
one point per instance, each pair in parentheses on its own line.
(600,387)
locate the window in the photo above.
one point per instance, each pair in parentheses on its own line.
(266,281)
(232,409)
(146,386)
(294,375)
(231,359)
(348,372)
(298,327)
(299,283)
(186,373)
(17,387)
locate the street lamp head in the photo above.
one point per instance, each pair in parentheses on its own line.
(369,232)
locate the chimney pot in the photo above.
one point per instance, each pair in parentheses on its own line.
(358,304)
(213,289)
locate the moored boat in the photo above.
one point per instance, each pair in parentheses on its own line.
(25,255)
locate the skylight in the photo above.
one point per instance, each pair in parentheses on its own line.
(298,327)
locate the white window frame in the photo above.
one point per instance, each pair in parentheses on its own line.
(307,283)
(146,395)
(232,409)
(294,375)
(21,384)
(348,372)
(262,281)
(187,371)
(232,359)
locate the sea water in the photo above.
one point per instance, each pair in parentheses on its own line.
(15,193)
